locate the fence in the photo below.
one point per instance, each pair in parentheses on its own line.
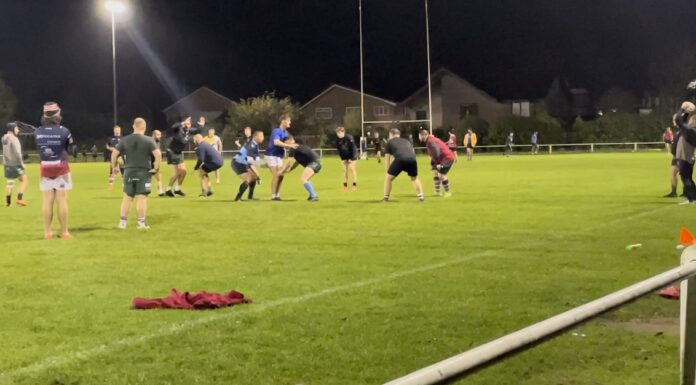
(524,148)
(461,365)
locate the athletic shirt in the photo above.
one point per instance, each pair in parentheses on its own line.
(304,155)
(214,141)
(346,146)
(249,154)
(113,141)
(534,138)
(273,150)
(452,142)
(179,140)
(207,154)
(438,151)
(138,150)
(400,149)
(52,143)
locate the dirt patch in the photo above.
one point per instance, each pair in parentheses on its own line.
(655,326)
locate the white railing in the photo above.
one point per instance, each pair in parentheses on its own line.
(461,365)
(522,148)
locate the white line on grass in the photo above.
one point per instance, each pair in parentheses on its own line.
(54,362)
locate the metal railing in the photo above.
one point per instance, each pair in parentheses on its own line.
(466,363)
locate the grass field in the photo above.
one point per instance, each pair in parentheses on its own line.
(346,290)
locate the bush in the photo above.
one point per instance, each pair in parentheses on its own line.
(549,130)
(621,127)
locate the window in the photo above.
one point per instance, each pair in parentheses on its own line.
(522,108)
(381,110)
(350,110)
(323,113)
(468,110)
(421,115)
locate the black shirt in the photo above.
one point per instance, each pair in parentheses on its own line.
(304,155)
(346,147)
(179,140)
(400,149)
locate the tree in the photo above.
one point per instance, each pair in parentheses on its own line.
(8,102)
(617,100)
(669,76)
(559,103)
(260,113)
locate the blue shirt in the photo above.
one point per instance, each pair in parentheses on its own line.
(207,154)
(248,154)
(52,143)
(273,150)
(534,138)
(113,141)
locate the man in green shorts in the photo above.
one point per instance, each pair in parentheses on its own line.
(138,168)
(14,164)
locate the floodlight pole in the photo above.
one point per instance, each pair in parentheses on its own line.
(362,82)
(427,47)
(113,60)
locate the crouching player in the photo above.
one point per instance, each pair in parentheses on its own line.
(305,156)
(138,169)
(400,156)
(244,164)
(209,160)
(14,164)
(441,160)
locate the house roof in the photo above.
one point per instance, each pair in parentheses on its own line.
(200,92)
(332,86)
(440,72)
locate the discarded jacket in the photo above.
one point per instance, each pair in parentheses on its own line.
(195,301)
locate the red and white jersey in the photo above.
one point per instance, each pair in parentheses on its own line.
(438,151)
(452,142)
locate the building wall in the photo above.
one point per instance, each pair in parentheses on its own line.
(456,93)
(420,103)
(338,99)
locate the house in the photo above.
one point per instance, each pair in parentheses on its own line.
(332,104)
(201,102)
(453,99)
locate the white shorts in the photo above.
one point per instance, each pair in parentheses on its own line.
(61,183)
(274,161)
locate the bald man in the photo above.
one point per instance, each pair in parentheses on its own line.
(138,149)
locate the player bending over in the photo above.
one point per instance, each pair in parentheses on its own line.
(441,160)
(348,151)
(175,156)
(399,156)
(244,164)
(209,160)
(14,164)
(138,150)
(305,156)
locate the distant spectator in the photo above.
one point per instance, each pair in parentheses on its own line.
(470,144)
(509,143)
(94,152)
(452,143)
(83,150)
(668,138)
(535,142)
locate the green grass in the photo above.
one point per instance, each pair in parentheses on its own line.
(346,290)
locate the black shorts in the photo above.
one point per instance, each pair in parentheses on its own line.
(470,147)
(408,165)
(239,168)
(347,157)
(444,169)
(210,167)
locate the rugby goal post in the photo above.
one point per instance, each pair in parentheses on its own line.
(362,79)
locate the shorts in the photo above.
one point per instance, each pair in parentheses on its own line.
(174,159)
(444,169)
(210,167)
(274,161)
(469,147)
(346,157)
(316,166)
(14,172)
(239,168)
(408,165)
(674,162)
(59,183)
(136,182)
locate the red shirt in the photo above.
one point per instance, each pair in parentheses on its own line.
(438,151)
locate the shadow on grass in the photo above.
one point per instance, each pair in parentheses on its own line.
(88,229)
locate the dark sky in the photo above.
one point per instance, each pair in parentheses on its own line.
(61,49)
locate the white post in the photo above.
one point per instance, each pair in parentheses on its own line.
(362,83)
(635,147)
(687,347)
(592,147)
(430,90)
(550,149)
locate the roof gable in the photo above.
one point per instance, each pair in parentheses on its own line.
(338,86)
(201,93)
(441,72)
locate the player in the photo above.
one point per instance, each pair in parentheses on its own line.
(209,160)
(452,142)
(247,138)
(245,165)
(470,144)
(686,124)
(305,156)
(175,156)
(509,142)
(216,142)
(157,137)
(348,151)
(52,142)
(535,143)
(275,152)
(138,168)
(400,156)
(14,165)
(111,143)
(441,160)
(377,143)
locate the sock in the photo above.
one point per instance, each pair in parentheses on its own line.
(141,221)
(124,221)
(445,184)
(436,181)
(8,199)
(160,191)
(674,190)
(111,178)
(252,186)
(386,197)
(421,197)
(242,189)
(355,184)
(169,188)
(310,189)
(345,184)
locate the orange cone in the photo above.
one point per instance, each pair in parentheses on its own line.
(686,238)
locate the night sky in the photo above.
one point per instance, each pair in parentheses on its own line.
(61,49)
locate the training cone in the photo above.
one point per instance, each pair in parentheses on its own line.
(686,238)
